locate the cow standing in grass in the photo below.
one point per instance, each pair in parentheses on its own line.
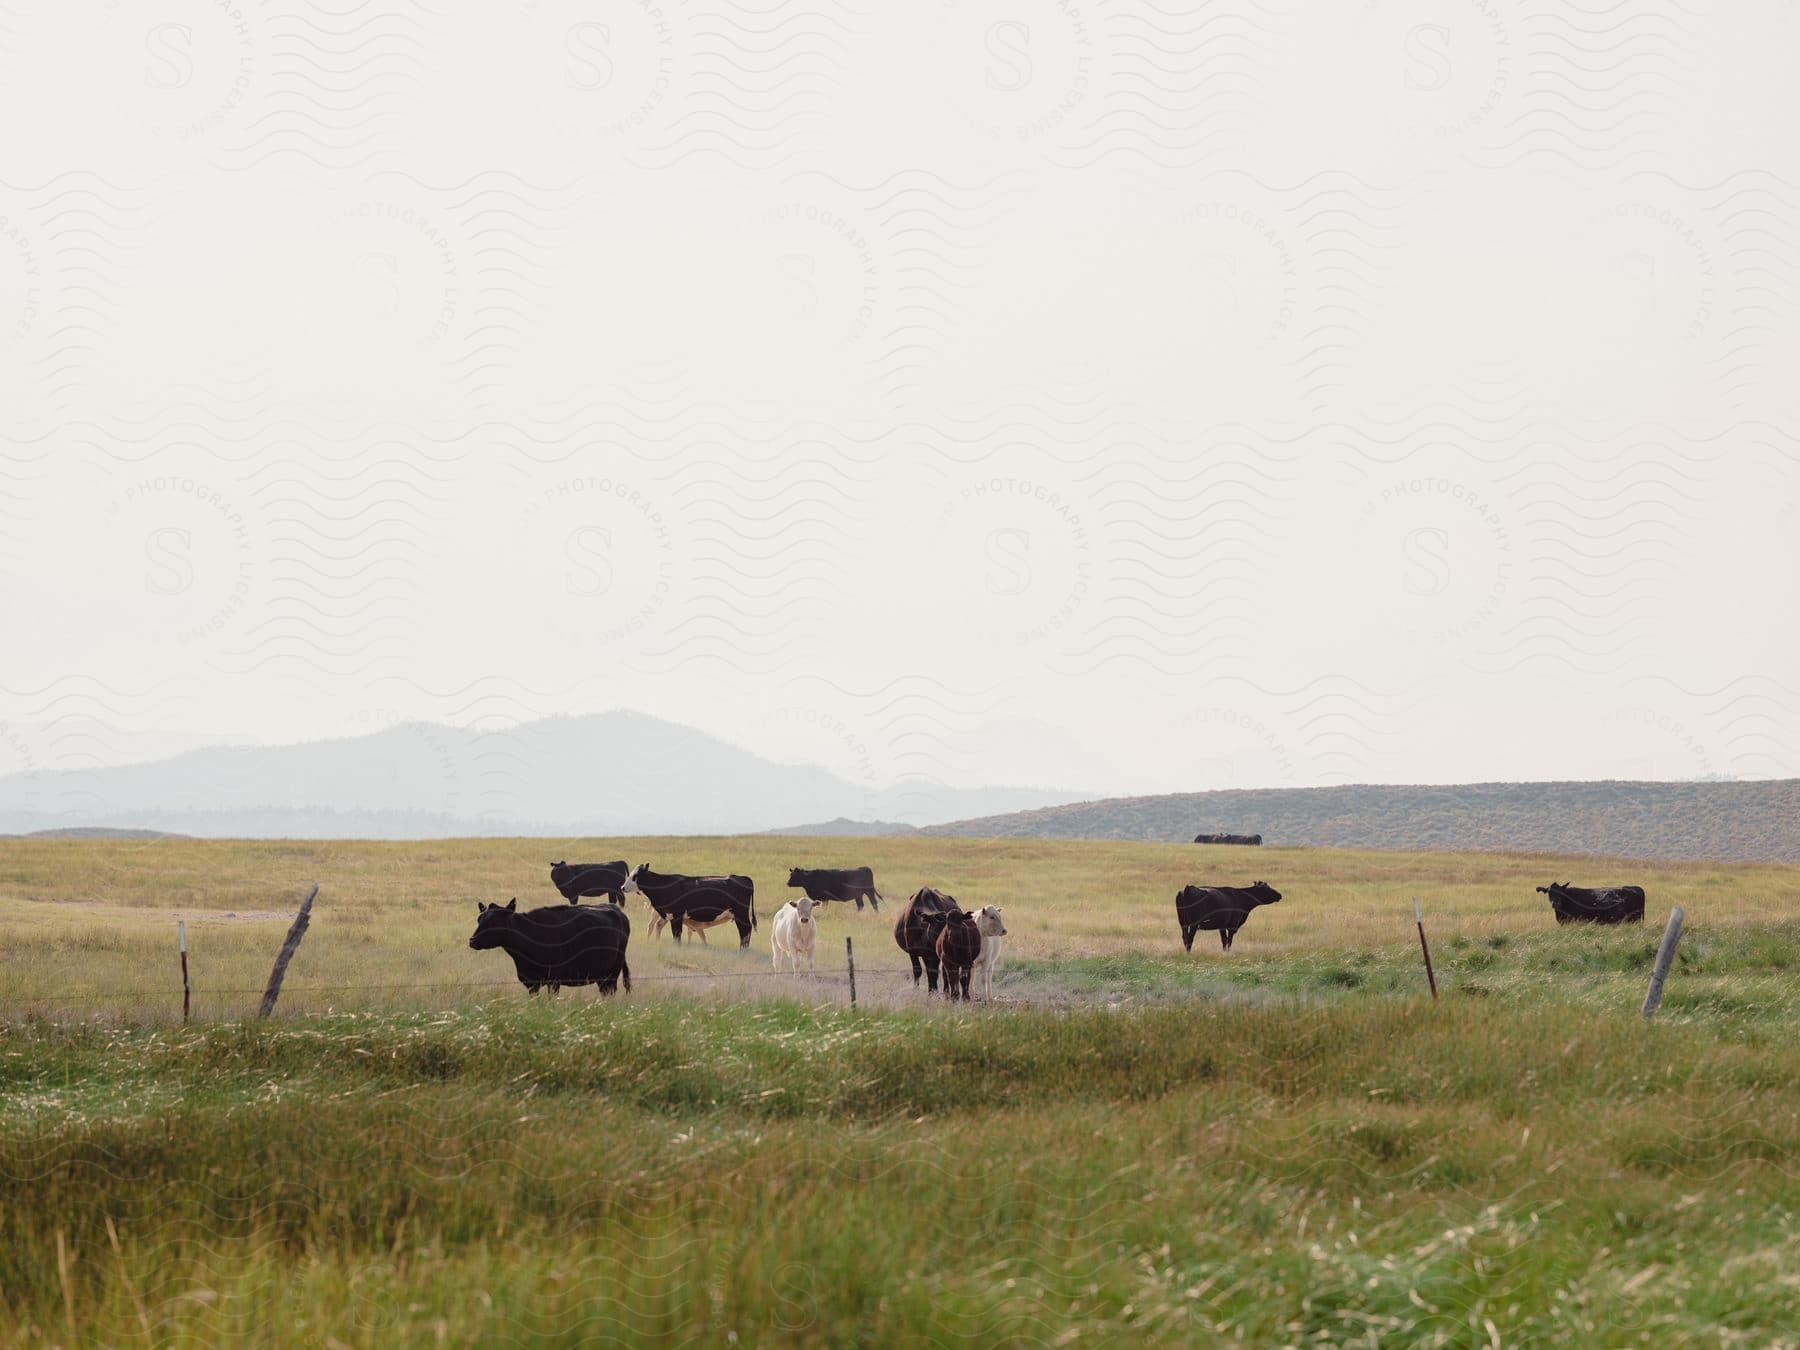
(574,880)
(993,935)
(1219,908)
(958,948)
(558,945)
(698,903)
(794,934)
(1608,904)
(916,931)
(837,883)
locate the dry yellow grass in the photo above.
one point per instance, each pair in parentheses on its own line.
(89,927)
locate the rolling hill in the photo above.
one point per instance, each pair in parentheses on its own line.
(1738,822)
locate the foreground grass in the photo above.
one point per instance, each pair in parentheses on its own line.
(1368,1171)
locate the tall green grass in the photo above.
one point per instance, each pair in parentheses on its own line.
(1373,1171)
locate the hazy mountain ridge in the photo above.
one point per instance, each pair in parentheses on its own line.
(1727,821)
(606,774)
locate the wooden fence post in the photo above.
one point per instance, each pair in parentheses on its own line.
(286,954)
(1665,957)
(1430,978)
(850,956)
(181,937)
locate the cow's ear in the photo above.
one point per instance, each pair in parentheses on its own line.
(513,903)
(481,907)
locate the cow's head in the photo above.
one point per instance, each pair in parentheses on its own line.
(987,919)
(490,922)
(637,873)
(1263,893)
(794,876)
(803,907)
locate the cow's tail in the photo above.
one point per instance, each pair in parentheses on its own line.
(625,974)
(753,908)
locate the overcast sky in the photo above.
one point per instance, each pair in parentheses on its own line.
(1125,397)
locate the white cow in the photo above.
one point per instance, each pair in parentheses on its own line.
(987,919)
(792,934)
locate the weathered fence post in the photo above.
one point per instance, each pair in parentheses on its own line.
(1419,919)
(850,956)
(181,937)
(1665,957)
(286,954)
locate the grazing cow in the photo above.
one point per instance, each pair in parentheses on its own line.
(1228,839)
(837,883)
(1219,907)
(1609,904)
(916,930)
(993,931)
(958,948)
(794,934)
(574,880)
(558,945)
(698,902)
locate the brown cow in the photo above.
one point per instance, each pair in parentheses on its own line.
(916,931)
(958,948)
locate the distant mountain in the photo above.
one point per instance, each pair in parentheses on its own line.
(1731,822)
(608,774)
(862,829)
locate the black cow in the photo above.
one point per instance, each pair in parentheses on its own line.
(698,902)
(574,880)
(1609,904)
(837,883)
(958,944)
(1219,907)
(917,928)
(558,945)
(1228,839)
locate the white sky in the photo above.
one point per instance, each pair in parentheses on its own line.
(1127,397)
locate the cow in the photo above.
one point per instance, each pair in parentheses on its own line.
(698,902)
(1228,839)
(958,948)
(916,930)
(1608,904)
(837,883)
(574,880)
(987,919)
(794,934)
(1219,907)
(559,944)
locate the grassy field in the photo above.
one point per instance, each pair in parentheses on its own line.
(1287,1144)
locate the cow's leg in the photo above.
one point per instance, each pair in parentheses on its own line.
(931,974)
(917,968)
(809,962)
(1187,937)
(743,927)
(874,904)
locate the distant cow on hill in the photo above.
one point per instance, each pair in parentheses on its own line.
(958,949)
(574,880)
(916,931)
(1228,839)
(1221,908)
(837,883)
(698,902)
(558,945)
(1608,904)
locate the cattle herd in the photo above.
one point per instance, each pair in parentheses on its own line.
(577,944)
